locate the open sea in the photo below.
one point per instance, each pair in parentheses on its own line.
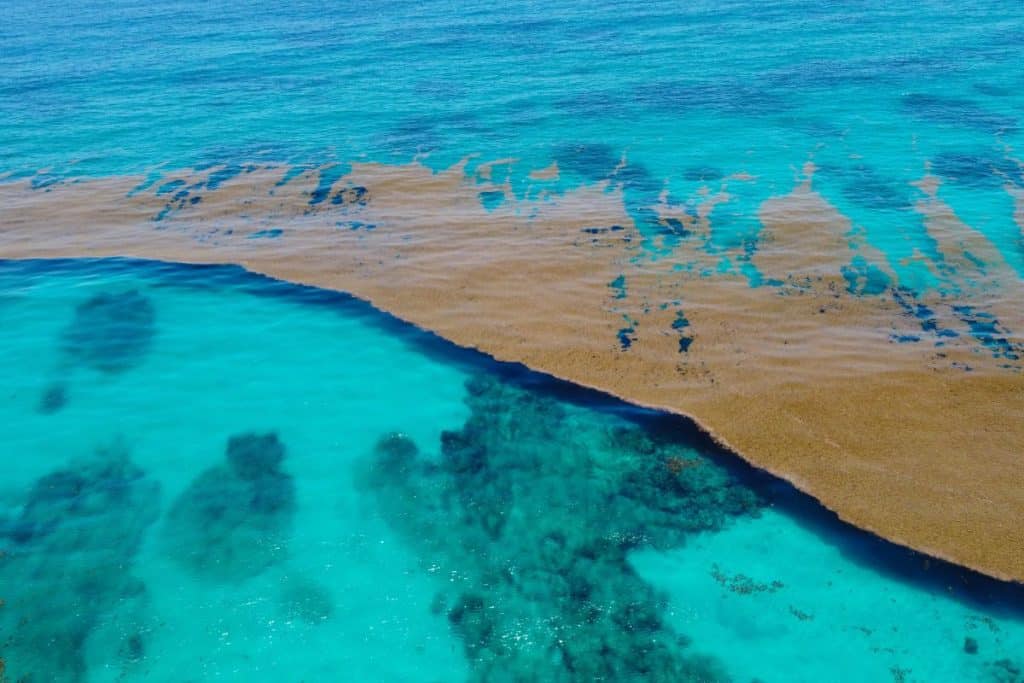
(212,475)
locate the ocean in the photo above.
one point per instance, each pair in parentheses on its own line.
(565,341)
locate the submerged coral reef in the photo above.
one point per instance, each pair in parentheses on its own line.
(69,552)
(111,331)
(530,510)
(234,520)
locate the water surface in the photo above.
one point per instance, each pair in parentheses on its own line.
(433,515)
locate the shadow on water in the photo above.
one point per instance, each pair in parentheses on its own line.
(861,547)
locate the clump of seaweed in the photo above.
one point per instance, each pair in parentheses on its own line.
(111,331)
(532,508)
(66,563)
(234,520)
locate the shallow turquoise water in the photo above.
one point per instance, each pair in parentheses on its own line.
(539,531)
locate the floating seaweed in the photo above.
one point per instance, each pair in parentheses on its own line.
(66,561)
(234,520)
(1005,671)
(111,331)
(532,508)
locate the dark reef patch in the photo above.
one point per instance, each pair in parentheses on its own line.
(992,90)
(902,564)
(864,186)
(978,170)
(414,135)
(53,399)
(592,161)
(111,331)
(532,507)
(65,562)
(636,178)
(234,520)
(955,111)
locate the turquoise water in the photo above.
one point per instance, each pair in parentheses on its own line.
(214,476)
(202,481)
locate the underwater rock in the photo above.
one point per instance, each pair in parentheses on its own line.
(234,521)
(66,562)
(534,506)
(255,455)
(970,646)
(111,331)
